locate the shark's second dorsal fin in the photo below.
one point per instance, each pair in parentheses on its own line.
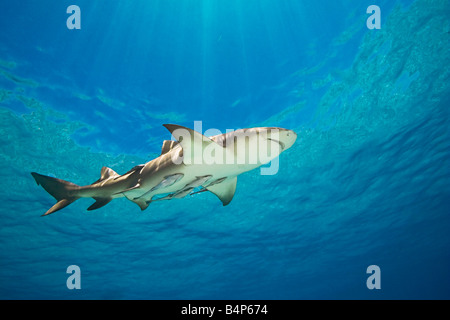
(106,173)
(168,145)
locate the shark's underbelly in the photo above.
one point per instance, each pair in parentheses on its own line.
(178,181)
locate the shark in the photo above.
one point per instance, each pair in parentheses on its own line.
(189,164)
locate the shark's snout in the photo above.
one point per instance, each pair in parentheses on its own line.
(287,138)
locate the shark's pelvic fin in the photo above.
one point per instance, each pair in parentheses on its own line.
(63,191)
(224,190)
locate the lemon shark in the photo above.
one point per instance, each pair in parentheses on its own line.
(190,164)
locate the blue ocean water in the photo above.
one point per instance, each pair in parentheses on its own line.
(367,182)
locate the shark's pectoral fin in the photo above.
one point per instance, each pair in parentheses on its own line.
(99,202)
(224,190)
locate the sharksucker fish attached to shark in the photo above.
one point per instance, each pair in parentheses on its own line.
(192,162)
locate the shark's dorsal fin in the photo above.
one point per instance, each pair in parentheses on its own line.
(106,173)
(181,134)
(192,142)
(168,145)
(224,190)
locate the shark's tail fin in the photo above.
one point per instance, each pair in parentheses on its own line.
(63,191)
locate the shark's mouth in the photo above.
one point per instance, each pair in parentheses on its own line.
(282,145)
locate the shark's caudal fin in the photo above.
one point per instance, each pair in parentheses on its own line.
(63,191)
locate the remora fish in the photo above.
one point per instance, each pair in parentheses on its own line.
(192,161)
